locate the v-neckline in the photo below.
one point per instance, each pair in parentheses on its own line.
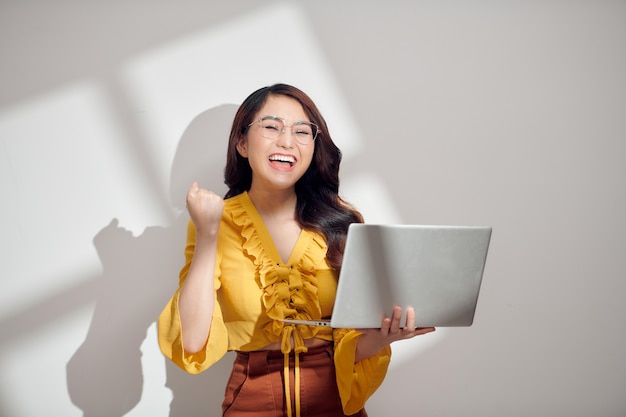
(268,242)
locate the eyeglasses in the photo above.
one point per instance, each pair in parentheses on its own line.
(272,127)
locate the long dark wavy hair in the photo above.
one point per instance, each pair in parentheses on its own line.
(319,207)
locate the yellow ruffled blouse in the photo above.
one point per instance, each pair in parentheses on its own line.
(255,288)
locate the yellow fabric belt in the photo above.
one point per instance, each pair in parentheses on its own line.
(285,348)
(296,384)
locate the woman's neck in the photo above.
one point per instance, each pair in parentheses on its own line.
(274,203)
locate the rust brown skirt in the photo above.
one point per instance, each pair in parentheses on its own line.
(256,386)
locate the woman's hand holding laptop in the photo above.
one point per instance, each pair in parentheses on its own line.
(373,340)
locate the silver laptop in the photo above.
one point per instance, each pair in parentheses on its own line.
(437,270)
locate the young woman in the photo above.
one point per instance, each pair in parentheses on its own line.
(272,250)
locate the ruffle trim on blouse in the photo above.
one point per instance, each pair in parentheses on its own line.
(289,291)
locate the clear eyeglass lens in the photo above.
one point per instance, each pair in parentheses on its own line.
(273,127)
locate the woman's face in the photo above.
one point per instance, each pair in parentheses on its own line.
(277,164)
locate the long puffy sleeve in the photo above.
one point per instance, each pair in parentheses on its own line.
(357,381)
(170,330)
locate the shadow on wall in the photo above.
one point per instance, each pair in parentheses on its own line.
(140,274)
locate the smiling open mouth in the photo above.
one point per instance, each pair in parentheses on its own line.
(283,159)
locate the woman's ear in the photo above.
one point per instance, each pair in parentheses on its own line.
(242,147)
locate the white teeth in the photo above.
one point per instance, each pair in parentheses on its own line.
(283,158)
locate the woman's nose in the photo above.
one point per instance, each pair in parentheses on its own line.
(286,138)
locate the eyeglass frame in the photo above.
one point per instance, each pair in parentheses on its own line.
(285,126)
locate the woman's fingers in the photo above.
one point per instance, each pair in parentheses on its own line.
(205,209)
(396,316)
(385,327)
(392,326)
(410,319)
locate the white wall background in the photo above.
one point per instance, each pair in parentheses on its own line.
(508,114)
